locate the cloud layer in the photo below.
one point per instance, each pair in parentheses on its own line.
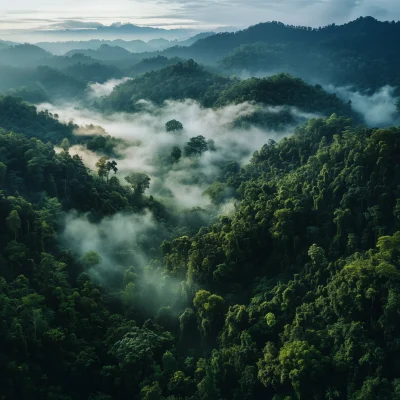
(203,14)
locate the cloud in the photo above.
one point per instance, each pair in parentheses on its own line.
(148,146)
(297,12)
(378,109)
(76,24)
(97,90)
(117,232)
(206,13)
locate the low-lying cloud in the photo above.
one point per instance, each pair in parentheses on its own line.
(378,109)
(147,144)
(97,90)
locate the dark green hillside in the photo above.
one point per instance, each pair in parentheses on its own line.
(362,53)
(23,54)
(246,247)
(52,83)
(151,64)
(293,296)
(104,53)
(177,82)
(20,117)
(190,80)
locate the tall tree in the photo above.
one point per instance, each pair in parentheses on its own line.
(14,222)
(139,182)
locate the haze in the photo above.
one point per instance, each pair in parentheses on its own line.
(22,15)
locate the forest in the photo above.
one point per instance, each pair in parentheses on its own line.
(171,229)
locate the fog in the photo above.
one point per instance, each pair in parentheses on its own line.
(378,109)
(126,240)
(112,237)
(96,90)
(147,146)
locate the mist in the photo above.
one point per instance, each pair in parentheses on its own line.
(147,145)
(122,238)
(96,90)
(126,240)
(378,109)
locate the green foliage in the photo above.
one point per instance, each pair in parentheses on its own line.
(91,259)
(14,222)
(292,295)
(190,80)
(177,82)
(139,182)
(151,64)
(19,117)
(173,125)
(196,146)
(176,154)
(284,89)
(357,53)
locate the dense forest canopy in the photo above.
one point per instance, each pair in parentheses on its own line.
(171,230)
(190,80)
(361,53)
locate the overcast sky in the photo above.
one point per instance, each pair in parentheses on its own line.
(202,14)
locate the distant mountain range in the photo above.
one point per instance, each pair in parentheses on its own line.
(135,46)
(362,53)
(112,32)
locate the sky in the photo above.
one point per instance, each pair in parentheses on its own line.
(193,14)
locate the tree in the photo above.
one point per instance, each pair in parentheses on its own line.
(14,222)
(105,166)
(139,182)
(3,172)
(210,308)
(91,259)
(196,146)
(111,166)
(101,166)
(176,154)
(173,126)
(65,144)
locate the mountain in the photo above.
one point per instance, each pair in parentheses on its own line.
(51,83)
(135,46)
(61,48)
(195,38)
(361,53)
(177,82)
(151,64)
(3,46)
(104,53)
(190,80)
(241,242)
(60,62)
(94,72)
(23,54)
(103,32)
(294,295)
(19,117)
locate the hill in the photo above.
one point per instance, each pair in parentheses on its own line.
(114,31)
(135,46)
(19,117)
(294,295)
(190,80)
(52,83)
(24,54)
(95,72)
(361,53)
(3,46)
(151,64)
(104,53)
